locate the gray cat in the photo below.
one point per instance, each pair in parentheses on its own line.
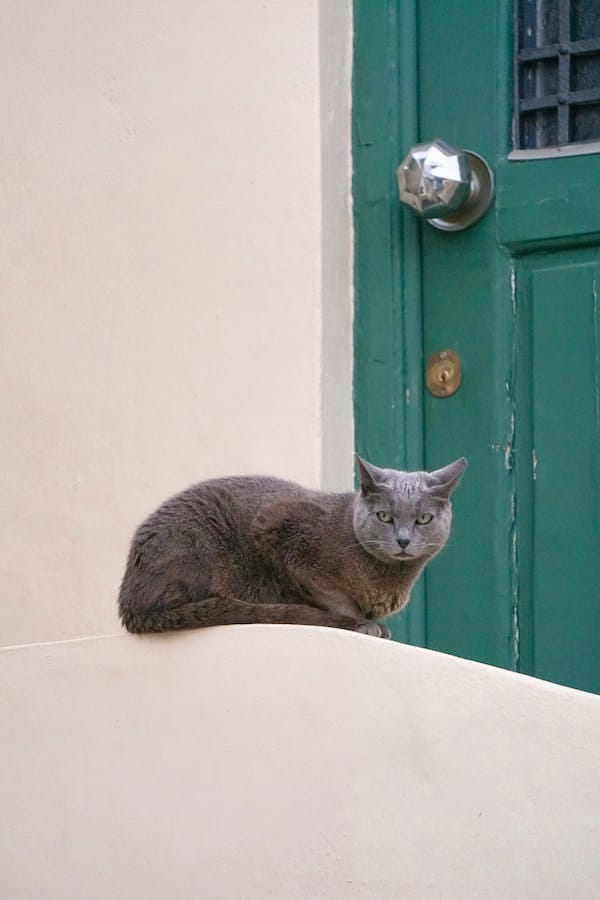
(258,549)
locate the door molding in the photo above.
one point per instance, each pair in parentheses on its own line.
(388,370)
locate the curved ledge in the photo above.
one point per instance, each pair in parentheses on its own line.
(279,761)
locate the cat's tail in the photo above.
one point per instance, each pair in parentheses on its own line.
(162,617)
(209,611)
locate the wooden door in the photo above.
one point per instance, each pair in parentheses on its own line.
(515,296)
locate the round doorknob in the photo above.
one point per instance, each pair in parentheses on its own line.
(449,188)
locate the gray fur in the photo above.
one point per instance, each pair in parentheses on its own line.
(258,549)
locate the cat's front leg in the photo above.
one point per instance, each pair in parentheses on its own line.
(376,629)
(334,601)
(338,603)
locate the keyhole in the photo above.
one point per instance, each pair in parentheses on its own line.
(443,373)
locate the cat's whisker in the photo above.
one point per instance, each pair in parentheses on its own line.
(376,545)
(364,543)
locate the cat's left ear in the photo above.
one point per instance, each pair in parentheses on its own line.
(369,476)
(445,480)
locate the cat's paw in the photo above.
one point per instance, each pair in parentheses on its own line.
(375,629)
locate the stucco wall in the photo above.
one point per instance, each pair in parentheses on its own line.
(174,275)
(288,762)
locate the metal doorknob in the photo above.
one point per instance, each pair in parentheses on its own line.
(450,188)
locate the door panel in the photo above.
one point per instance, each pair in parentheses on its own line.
(469,589)
(475,422)
(516,297)
(559,298)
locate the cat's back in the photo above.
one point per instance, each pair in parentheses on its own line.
(221,504)
(248,492)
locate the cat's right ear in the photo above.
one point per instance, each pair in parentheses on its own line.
(368,474)
(445,480)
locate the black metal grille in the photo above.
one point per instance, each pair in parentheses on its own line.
(557,72)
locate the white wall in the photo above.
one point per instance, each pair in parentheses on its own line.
(174,277)
(337,436)
(287,762)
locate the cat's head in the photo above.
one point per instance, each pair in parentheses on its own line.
(399,516)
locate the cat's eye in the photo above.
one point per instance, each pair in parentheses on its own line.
(424,519)
(384,517)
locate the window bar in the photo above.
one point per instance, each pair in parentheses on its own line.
(564,71)
(525,127)
(530,96)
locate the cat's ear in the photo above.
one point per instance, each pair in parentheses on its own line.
(369,476)
(443,481)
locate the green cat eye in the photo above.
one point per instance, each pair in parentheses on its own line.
(424,519)
(384,517)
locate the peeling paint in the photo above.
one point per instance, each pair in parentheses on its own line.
(534,463)
(513,290)
(508,449)
(515,604)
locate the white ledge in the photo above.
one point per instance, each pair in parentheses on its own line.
(274,761)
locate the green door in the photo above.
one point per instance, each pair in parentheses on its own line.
(515,296)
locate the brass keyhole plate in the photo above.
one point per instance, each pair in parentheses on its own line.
(443,373)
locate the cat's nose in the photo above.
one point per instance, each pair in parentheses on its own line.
(403,542)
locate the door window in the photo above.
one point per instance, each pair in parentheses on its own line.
(557,73)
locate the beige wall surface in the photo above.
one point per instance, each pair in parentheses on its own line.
(171,309)
(290,762)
